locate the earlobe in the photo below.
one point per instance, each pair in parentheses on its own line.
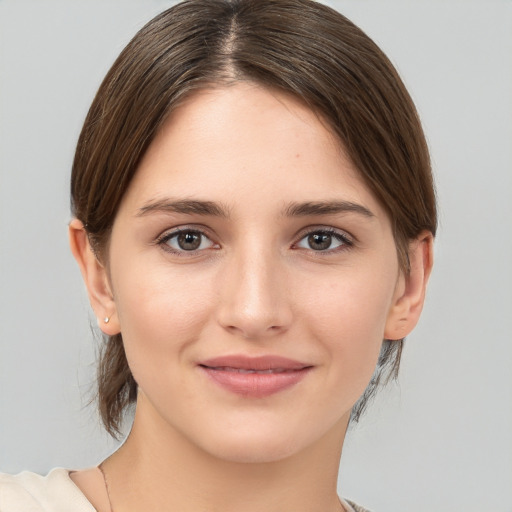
(410,290)
(95,278)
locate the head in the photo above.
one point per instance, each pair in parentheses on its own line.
(297,50)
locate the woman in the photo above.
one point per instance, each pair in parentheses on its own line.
(253,215)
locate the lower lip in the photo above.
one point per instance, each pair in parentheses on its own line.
(255,385)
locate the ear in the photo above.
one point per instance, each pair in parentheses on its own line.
(96,279)
(410,290)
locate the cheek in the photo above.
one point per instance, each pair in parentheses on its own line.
(160,312)
(348,320)
(350,302)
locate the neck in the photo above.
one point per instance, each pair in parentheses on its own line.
(178,475)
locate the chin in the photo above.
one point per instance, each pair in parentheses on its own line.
(264,443)
(253,451)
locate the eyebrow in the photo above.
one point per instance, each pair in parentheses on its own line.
(210,208)
(185,206)
(326,208)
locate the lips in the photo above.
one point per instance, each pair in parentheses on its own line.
(242,370)
(255,377)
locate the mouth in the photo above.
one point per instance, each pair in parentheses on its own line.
(243,370)
(254,377)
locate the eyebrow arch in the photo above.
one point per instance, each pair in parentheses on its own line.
(325,208)
(185,206)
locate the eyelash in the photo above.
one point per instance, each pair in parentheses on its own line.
(345,241)
(163,240)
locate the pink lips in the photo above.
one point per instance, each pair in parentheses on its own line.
(255,377)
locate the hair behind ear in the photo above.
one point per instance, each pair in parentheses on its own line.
(117,388)
(386,370)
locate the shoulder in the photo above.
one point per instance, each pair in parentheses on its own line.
(30,492)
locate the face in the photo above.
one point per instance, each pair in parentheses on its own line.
(253,275)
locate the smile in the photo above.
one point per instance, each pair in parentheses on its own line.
(243,370)
(254,377)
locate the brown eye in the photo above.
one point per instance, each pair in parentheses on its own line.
(319,241)
(186,241)
(324,240)
(189,241)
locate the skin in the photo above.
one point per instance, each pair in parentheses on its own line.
(256,286)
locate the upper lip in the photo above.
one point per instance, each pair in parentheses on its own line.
(243,362)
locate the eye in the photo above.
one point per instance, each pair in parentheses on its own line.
(324,240)
(185,240)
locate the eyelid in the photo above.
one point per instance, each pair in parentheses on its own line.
(162,239)
(347,239)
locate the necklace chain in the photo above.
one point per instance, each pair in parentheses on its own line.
(100,467)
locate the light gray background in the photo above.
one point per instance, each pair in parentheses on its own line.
(441,440)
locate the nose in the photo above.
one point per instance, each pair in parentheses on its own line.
(254,298)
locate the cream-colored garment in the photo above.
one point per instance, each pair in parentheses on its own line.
(55,492)
(349,505)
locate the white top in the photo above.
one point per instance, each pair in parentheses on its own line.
(29,492)
(55,492)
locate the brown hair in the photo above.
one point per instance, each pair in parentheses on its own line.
(297,46)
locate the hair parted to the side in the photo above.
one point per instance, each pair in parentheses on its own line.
(298,46)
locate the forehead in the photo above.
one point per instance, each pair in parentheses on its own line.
(244,144)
